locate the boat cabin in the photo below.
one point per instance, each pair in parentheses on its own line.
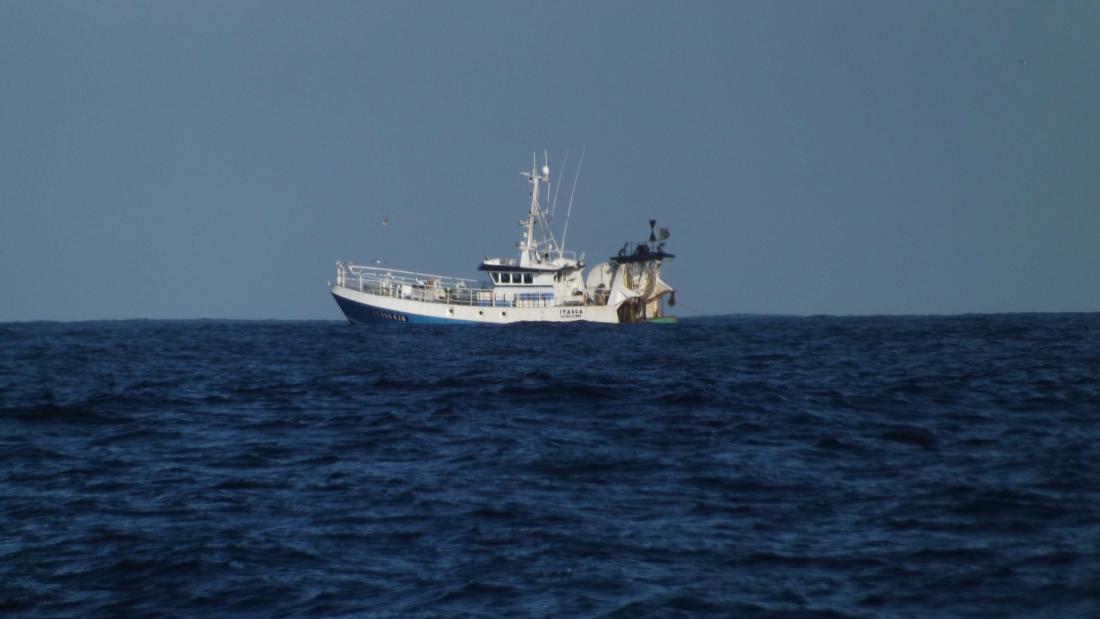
(539,284)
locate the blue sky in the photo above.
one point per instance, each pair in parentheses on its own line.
(214,160)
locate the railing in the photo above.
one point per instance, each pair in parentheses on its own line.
(434,288)
(553,255)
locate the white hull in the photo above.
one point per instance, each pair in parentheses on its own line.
(366,307)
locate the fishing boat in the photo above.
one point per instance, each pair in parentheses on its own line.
(544,283)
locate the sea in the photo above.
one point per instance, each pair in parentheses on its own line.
(735,466)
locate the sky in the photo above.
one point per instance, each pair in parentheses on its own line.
(215,159)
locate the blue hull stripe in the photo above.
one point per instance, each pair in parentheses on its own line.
(363,313)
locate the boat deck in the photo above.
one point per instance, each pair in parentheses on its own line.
(429,288)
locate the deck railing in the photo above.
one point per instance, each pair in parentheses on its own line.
(552,255)
(434,288)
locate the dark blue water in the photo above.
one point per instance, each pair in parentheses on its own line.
(773,467)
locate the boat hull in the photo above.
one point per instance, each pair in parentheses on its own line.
(364,307)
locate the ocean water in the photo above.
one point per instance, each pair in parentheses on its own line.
(733,466)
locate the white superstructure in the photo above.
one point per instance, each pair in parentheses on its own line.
(545,283)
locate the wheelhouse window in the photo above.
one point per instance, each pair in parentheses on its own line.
(507,277)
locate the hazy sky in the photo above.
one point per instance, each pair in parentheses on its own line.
(215,159)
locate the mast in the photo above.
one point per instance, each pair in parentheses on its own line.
(529,250)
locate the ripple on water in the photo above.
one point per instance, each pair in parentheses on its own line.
(737,466)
